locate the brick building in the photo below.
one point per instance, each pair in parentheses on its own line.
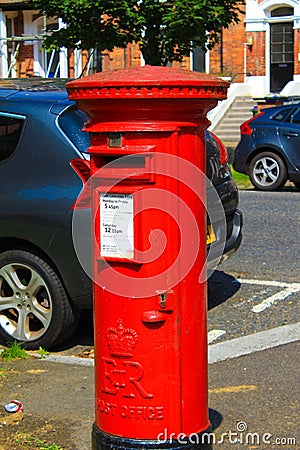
(262,51)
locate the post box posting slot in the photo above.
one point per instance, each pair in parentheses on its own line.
(125,168)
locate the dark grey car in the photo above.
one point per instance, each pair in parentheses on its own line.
(44,165)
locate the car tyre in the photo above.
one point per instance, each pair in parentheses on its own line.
(34,306)
(267,172)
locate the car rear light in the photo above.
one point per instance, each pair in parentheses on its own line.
(83,169)
(222,149)
(245,127)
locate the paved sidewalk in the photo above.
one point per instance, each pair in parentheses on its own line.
(253,400)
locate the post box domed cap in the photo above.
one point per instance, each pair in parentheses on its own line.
(148,81)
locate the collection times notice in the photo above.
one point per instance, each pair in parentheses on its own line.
(116,226)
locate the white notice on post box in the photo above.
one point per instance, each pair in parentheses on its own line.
(116,225)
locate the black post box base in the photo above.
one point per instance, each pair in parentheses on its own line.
(104,441)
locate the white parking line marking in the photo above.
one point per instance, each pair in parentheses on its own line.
(268,283)
(257,342)
(213,335)
(289,289)
(282,295)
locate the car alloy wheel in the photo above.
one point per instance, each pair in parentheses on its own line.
(34,307)
(267,172)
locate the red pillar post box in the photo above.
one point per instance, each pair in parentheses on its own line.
(147,132)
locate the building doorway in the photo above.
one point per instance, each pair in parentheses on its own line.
(198,59)
(281,50)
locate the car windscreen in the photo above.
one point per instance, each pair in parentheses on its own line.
(71,122)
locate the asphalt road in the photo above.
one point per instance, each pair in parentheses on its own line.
(258,288)
(270,247)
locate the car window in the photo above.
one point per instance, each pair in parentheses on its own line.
(10,132)
(71,122)
(282,115)
(295,117)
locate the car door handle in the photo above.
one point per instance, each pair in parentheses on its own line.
(291,134)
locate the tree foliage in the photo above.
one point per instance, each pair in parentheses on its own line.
(166,30)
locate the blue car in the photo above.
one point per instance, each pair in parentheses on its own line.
(269,148)
(44,165)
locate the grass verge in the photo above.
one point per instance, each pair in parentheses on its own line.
(241,180)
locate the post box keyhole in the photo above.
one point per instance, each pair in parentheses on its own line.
(162,296)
